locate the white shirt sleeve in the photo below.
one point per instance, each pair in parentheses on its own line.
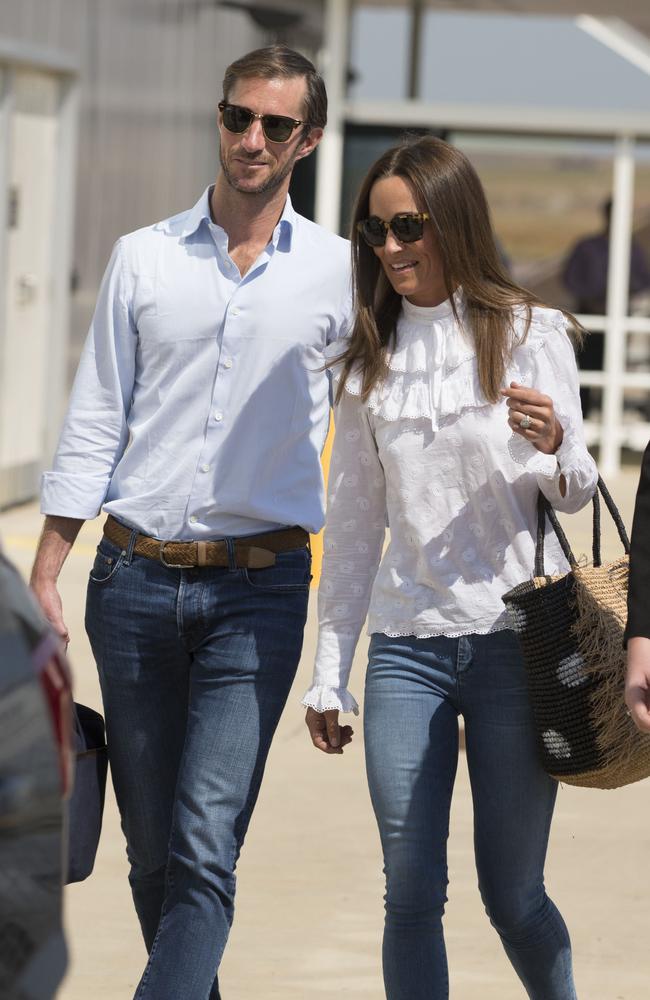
(353,541)
(342,330)
(556,375)
(95,431)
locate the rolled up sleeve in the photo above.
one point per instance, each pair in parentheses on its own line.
(95,429)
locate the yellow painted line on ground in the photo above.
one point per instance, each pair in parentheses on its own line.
(317,540)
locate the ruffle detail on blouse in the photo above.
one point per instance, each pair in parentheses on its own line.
(322,698)
(411,355)
(419,383)
(401,394)
(433,373)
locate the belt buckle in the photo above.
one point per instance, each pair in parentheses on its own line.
(161,556)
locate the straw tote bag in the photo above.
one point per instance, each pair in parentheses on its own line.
(571,632)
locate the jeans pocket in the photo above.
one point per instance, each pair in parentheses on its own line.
(108,561)
(290,574)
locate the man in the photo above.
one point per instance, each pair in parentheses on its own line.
(197,416)
(585,277)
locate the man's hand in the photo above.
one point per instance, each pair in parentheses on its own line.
(540,425)
(325,732)
(637,682)
(49,599)
(56,540)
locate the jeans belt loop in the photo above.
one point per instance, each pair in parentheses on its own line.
(130,547)
(201,553)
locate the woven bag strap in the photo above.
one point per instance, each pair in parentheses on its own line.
(616,517)
(544,510)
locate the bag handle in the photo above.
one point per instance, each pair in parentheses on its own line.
(544,510)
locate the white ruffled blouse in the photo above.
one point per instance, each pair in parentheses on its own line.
(428,456)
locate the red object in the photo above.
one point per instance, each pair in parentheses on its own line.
(54,674)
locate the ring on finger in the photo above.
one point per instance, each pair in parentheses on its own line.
(525,422)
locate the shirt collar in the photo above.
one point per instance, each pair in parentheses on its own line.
(197,214)
(282,234)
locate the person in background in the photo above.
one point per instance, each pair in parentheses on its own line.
(456,403)
(196,423)
(637,632)
(585,277)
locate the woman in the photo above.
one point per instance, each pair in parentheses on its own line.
(429,438)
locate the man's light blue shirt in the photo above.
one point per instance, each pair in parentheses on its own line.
(200,407)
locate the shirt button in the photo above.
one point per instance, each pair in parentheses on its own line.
(218,416)
(234,311)
(228,363)
(205,467)
(193,519)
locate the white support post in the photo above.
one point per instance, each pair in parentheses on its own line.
(6,109)
(618,281)
(329,169)
(62,251)
(6,114)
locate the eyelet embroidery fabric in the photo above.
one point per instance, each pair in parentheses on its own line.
(430,457)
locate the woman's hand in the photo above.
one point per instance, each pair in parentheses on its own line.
(637,682)
(325,732)
(540,425)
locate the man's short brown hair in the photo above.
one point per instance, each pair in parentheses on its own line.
(279,61)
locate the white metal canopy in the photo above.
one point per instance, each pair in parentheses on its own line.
(634,12)
(611,50)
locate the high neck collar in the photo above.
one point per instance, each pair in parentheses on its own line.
(427,314)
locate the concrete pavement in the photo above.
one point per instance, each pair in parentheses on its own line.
(309,904)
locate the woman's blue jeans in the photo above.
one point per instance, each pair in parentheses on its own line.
(415,690)
(195,667)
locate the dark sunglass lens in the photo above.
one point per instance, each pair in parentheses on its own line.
(236,119)
(277,128)
(408,228)
(373,231)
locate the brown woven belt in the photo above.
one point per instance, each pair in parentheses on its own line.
(252,552)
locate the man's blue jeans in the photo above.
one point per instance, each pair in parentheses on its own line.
(195,667)
(415,690)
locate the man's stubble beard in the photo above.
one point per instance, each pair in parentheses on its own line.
(272,183)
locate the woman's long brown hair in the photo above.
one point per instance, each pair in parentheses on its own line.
(446,186)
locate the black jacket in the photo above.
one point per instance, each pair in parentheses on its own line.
(638,598)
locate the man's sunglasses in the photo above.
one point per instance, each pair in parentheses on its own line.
(276,128)
(407,227)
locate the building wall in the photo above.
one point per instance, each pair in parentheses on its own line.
(150,74)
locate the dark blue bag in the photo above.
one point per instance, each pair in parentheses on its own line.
(86,805)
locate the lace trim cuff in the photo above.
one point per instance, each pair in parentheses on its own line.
(524,453)
(322,699)
(570,452)
(566,458)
